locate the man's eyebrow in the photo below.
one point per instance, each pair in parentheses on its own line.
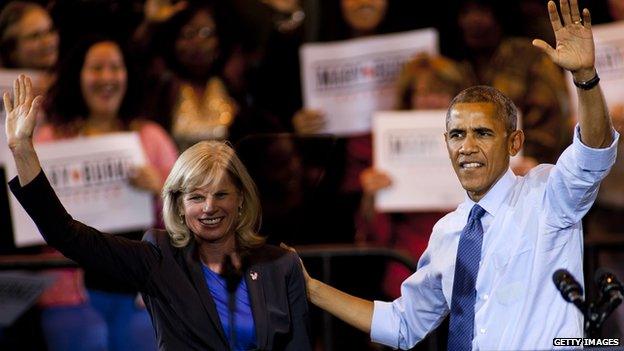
(456,130)
(483,129)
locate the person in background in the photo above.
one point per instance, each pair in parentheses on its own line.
(523,73)
(274,30)
(360,18)
(426,83)
(28,37)
(209,281)
(29,40)
(96,94)
(351,155)
(192,97)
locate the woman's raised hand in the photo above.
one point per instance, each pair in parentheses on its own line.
(21,113)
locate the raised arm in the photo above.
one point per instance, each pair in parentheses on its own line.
(21,115)
(127,260)
(575,52)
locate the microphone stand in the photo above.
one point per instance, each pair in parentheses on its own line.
(595,313)
(232,277)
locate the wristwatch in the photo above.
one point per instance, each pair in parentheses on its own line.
(588,84)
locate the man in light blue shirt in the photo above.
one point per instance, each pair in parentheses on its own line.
(527,227)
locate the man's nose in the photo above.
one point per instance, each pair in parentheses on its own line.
(469,145)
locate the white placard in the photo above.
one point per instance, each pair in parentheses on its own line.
(349,80)
(409,146)
(609,40)
(90,177)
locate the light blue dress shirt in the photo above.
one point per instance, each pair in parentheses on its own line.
(532,228)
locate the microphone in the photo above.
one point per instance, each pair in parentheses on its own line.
(569,288)
(611,290)
(231,274)
(610,286)
(233,278)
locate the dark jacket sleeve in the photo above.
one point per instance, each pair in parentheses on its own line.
(298,301)
(126,260)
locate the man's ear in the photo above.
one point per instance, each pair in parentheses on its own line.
(448,149)
(515,142)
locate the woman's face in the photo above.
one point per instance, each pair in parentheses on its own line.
(430,94)
(364,15)
(197,45)
(103,79)
(36,45)
(211,212)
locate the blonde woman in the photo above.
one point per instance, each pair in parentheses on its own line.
(212,214)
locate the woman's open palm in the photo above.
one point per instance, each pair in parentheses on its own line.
(21,113)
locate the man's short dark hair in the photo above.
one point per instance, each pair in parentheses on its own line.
(505,108)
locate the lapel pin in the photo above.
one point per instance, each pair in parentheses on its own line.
(253,275)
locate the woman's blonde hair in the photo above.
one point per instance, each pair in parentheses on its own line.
(203,164)
(448,77)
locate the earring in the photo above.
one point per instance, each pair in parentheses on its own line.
(240,210)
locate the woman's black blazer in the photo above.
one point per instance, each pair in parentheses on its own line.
(171,280)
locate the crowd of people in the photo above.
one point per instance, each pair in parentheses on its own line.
(183,72)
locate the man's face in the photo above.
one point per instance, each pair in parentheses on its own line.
(479,146)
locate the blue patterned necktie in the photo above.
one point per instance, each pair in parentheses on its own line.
(461,326)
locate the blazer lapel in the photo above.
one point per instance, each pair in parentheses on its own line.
(197,276)
(254,280)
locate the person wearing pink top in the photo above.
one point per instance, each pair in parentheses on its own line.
(95,95)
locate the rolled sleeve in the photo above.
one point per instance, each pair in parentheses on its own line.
(386,325)
(592,159)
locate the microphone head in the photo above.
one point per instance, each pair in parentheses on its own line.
(231,274)
(600,274)
(559,276)
(607,281)
(569,288)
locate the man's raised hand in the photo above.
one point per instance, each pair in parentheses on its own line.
(575,45)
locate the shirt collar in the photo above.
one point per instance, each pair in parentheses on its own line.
(495,197)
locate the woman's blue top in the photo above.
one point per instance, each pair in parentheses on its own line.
(244,326)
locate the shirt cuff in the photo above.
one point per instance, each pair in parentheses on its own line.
(385,326)
(592,159)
